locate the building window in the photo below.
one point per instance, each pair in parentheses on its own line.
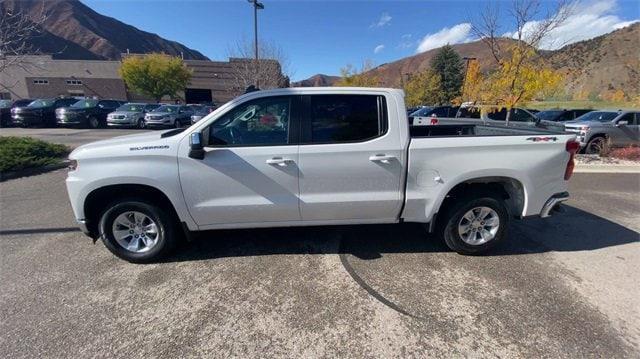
(74,82)
(41,82)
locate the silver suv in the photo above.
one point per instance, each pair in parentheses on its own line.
(595,129)
(130,115)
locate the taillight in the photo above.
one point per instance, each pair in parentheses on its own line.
(434,121)
(572,147)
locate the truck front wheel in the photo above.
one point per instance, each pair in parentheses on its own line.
(474,224)
(137,231)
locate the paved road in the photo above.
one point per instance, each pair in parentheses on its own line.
(562,287)
(68,136)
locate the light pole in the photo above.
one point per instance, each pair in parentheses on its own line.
(256,6)
(466,70)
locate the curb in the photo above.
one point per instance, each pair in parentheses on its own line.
(607,169)
(5,176)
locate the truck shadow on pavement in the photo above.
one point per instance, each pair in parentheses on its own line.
(575,230)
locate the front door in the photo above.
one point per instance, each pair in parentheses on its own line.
(351,166)
(250,170)
(624,134)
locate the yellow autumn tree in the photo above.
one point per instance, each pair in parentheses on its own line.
(352,77)
(521,74)
(473,84)
(423,88)
(521,78)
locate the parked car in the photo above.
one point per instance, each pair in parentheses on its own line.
(599,128)
(130,115)
(40,112)
(90,113)
(5,110)
(351,159)
(557,117)
(425,115)
(169,116)
(413,109)
(198,115)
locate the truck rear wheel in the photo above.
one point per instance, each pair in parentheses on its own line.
(473,224)
(137,231)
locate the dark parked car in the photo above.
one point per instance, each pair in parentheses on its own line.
(40,112)
(555,119)
(5,110)
(88,113)
(424,115)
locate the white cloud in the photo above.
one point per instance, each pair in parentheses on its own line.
(454,35)
(385,19)
(378,49)
(588,20)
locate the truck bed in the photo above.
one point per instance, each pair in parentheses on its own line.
(473,130)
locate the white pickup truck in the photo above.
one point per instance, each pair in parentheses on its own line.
(315,156)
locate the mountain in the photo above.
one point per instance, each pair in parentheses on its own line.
(607,62)
(72,30)
(318,80)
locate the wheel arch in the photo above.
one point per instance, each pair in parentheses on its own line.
(509,189)
(96,201)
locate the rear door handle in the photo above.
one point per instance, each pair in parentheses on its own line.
(381,158)
(279,161)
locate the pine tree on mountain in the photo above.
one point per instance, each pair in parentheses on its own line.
(448,64)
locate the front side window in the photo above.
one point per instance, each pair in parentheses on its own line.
(345,118)
(263,121)
(629,117)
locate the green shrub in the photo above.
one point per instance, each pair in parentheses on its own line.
(17,153)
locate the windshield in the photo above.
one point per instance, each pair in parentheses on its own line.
(131,107)
(166,109)
(5,103)
(41,103)
(600,116)
(422,112)
(548,115)
(85,103)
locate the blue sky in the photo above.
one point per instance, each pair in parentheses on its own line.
(323,36)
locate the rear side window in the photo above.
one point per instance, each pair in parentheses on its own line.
(345,118)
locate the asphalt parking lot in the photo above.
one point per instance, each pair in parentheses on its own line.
(562,287)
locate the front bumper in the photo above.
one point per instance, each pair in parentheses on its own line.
(553,204)
(71,120)
(121,122)
(25,119)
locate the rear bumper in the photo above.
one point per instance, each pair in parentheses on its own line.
(553,204)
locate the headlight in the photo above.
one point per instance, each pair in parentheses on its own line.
(73,165)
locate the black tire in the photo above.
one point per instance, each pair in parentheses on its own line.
(595,145)
(93,122)
(141,124)
(452,217)
(166,230)
(178,124)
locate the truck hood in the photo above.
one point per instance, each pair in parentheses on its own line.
(578,124)
(148,142)
(125,113)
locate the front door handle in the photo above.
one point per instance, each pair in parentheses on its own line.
(381,158)
(279,161)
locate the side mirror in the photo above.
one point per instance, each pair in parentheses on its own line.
(196,149)
(622,123)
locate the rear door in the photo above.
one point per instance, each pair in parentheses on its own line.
(250,170)
(351,162)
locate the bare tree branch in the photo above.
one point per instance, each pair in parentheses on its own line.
(17,29)
(270,71)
